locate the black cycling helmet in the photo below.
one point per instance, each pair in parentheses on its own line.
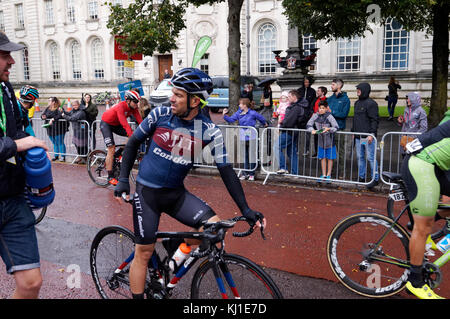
(193,81)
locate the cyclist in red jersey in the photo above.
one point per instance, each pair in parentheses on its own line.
(115,120)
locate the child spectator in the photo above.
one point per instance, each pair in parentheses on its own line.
(246,117)
(281,110)
(325,126)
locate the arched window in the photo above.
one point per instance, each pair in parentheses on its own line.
(54,61)
(97,59)
(395,46)
(349,54)
(75,54)
(267,40)
(25,64)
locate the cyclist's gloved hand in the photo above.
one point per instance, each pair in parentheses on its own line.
(413,147)
(253,216)
(123,186)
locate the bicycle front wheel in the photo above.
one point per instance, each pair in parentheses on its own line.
(369,255)
(96,167)
(233,276)
(111,247)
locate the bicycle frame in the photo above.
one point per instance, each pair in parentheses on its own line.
(187,265)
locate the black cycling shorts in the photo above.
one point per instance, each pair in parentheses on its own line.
(108,130)
(149,203)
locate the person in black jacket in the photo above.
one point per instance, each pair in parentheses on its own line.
(365,120)
(288,138)
(18,244)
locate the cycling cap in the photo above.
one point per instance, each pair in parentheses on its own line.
(28,94)
(132,95)
(193,81)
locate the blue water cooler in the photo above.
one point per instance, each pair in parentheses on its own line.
(39,180)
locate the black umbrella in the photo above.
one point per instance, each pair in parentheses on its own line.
(266,81)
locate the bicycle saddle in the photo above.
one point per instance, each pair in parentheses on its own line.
(394,177)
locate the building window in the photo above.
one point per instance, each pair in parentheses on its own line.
(309,42)
(75,54)
(349,54)
(70,7)
(117,2)
(395,46)
(97,59)
(49,12)
(93,10)
(2,21)
(26,64)
(267,39)
(120,69)
(19,16)
(54,61)
(204,63)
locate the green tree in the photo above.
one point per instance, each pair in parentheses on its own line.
(328,20)
(149,26)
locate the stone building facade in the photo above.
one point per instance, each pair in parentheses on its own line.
(69,49)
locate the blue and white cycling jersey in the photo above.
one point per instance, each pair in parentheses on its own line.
(175,145)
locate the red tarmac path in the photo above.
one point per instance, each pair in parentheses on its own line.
(299,222)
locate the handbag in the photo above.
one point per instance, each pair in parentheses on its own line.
(386,98)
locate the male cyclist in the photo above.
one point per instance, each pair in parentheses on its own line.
(426,173)
(28,95)
(115,120)
(178,135)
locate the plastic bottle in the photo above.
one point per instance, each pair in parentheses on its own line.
(39,180)
(444,244)
(179,256)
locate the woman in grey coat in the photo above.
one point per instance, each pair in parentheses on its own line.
(80,130)
(414,119)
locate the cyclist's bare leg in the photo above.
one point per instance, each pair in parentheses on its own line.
(110,158)
(422,228)
(138,267)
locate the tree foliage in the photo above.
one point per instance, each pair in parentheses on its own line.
(330,19)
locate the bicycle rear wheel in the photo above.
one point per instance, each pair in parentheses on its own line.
(96,167)
(363,266)
(110,248)
(251,281)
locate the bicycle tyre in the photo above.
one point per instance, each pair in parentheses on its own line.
(350,261)
(251,280)
(439,228)
(104,261)
(96,168)
(39,214)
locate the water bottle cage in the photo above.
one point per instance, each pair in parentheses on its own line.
(40,191)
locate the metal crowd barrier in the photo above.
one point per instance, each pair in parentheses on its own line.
(301,144)
(241,144)
(64,143)
(392,152)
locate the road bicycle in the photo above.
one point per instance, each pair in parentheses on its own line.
(398,194)
(219,275)
(96,165)
(369,254)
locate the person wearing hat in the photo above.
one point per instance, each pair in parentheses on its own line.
(18,242)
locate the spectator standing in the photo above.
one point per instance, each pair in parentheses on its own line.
(248,92)
(246,117)
(91,111)
(266,109)
(56,127)
(392,98)
(144,107)
(19,246)
(167,74)
(323,125)
(339,104)
(365,120)
(321,95)
(307,98)
(80,130)
(414,119)
(289,139)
